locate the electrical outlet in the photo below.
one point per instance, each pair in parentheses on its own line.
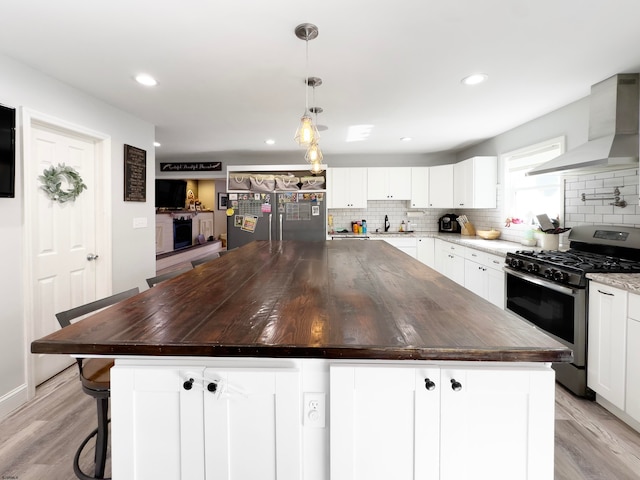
(314,409)
(140,222)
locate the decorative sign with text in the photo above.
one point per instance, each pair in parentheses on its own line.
(191,167)
(135,174)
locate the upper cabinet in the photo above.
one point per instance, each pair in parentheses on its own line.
(419,187)
(389,183)
(474,183)
(347,188)
(441,186)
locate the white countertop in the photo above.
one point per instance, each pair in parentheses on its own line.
(496,247)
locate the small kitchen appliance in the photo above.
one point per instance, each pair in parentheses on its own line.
(549,288)
(448,223)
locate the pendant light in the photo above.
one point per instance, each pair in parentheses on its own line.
(314,154)
(307,131)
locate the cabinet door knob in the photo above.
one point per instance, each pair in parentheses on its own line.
(428,384)
(212,387)
(188,385)
(456,386)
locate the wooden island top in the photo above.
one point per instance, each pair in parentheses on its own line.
(348,299)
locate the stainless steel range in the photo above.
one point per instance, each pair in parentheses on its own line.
(548,288)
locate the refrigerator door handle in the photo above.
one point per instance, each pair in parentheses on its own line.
(280,226)
(270,222)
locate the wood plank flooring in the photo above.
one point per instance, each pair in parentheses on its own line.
(39,440)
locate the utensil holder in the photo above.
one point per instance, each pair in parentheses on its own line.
(468,229)
(549,241)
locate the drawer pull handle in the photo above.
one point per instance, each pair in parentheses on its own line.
(455,385)
(188,385)
(212,387)
(606,293)
(428,384)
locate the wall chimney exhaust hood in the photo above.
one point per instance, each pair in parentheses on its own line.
(613,131)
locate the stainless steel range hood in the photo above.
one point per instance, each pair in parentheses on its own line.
(613,131)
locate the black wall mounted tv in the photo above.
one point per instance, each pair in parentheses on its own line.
(171,194)
(7,152)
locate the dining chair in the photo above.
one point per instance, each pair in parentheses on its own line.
(153,281)
(205,259)
(95,379)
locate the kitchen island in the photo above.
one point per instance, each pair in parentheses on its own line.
(318,360)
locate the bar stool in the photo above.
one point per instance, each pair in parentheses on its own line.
(95,379)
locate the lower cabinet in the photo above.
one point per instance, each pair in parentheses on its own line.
(607,342)
(205,419)
(483,275)
(614,344)
(404,244)
(633,358)
(441,422)
(450,260)
(205,423)
(425,251)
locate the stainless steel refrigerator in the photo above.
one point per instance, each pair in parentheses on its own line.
(296,215)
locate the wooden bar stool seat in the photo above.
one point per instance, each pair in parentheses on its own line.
(96,382)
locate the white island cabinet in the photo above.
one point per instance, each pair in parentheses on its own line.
(203,419)
(202,422)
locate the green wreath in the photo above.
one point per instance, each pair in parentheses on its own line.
(51,179)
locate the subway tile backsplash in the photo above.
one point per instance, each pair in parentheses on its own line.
(577,212)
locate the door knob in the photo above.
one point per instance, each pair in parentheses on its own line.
(455,385)
(429,384)
(92,256)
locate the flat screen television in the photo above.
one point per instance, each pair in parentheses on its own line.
(7,152)
(171,194)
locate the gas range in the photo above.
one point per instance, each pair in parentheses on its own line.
(601,249)
(548,289)
(568,267)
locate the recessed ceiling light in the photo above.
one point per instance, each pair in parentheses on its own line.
(406,139)
(146,80)
(475,79)
(270,141)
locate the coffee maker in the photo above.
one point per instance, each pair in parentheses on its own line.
(448,223)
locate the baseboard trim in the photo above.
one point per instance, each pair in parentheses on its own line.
(12,400)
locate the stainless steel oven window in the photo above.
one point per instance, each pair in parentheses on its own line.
(557,310)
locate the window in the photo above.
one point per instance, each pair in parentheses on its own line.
(526,197)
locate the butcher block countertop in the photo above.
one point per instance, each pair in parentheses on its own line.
(338,300)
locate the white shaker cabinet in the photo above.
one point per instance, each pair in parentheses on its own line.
(633,358)
(197,423)
(449,260)
(483,275)
(441,422)
(607,342)
(441,186)
(419,187)
(389,183)
(347,188)
(425,251)
(475,181)
(404,244)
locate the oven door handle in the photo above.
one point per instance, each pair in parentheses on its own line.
(541,282)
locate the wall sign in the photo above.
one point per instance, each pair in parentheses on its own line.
(191,167)
(135,174)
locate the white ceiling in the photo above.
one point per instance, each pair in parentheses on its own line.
(231,72)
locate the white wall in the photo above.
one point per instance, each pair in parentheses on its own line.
(572,121)
(133,256)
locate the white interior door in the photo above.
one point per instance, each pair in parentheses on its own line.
(63,239)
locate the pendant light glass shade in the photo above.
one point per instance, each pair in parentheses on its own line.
(316,167)
(314,154)
(307,132)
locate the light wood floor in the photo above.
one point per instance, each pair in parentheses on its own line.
(39,440)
